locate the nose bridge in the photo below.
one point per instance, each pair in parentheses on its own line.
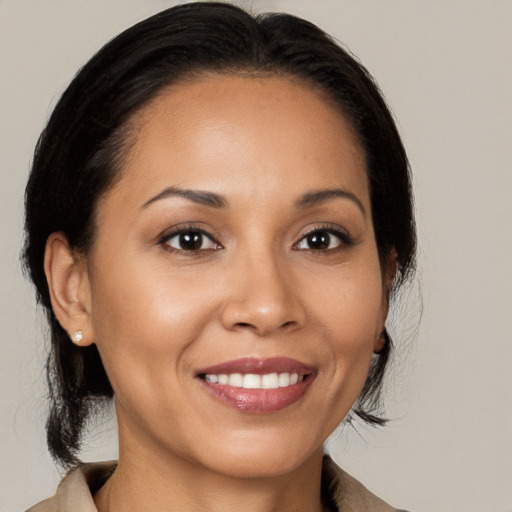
(263,298)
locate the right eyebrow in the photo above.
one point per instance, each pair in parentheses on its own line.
(196,196)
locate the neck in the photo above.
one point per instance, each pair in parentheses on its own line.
(148,480)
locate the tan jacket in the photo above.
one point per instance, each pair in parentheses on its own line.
(74,493)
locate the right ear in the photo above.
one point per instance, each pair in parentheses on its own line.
(68,283)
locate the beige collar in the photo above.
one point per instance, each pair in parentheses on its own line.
(77,488)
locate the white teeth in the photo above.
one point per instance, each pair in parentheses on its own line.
(255,381)
(252,381)
(236,380)
(284,380)
(270,381)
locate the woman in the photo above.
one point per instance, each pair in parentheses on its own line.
(218,212)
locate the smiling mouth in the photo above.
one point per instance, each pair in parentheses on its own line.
(258,386)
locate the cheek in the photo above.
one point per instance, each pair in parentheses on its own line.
(350,303)
(144,325)
(349,314)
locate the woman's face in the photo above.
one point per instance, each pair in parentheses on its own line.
(234,287)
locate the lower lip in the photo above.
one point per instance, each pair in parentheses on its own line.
(260,401)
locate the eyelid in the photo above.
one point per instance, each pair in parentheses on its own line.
(344,236)
(183,228)
(346,239)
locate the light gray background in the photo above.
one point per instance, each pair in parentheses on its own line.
(445,67)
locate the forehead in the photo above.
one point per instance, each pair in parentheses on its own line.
(270,131)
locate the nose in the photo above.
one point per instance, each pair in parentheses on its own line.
(264,298)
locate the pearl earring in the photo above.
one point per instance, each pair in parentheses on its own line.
(77,337)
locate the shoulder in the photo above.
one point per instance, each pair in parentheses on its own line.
(348,494)
(77,488)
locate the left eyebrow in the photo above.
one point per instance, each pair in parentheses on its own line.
(196,196)
(320,196)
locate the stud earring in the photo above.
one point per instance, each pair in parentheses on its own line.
(77,337)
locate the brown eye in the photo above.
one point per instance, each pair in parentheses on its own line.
(323,240)
(319,240)
(191,241)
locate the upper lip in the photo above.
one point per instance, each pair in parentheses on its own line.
(258,366)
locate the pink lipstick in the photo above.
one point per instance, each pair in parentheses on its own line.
(258,385)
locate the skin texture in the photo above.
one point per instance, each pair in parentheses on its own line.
(254,288)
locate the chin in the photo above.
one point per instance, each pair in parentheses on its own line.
(265,458)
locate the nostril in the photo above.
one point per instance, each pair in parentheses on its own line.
(248,325)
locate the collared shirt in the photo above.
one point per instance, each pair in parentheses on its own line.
(340,492)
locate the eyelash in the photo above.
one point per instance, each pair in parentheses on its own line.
(188,230)
(344,238)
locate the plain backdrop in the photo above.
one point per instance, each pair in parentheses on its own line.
(445,68)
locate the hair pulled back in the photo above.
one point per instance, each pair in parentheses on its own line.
(79,155)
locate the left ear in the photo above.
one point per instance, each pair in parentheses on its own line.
(388,276)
